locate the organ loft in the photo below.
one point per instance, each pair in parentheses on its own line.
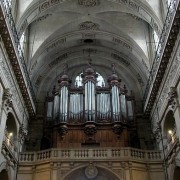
(89,112)
(89,90)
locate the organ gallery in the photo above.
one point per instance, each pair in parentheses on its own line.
(90,113)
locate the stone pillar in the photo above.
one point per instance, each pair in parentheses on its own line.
(2,127)
(127,172)
(6,104)
(177,120)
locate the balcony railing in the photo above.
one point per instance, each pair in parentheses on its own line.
(90,154)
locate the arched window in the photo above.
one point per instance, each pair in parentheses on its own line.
(100,80)
(169,124)
(11,129)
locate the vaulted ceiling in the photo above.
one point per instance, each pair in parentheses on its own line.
(111,31)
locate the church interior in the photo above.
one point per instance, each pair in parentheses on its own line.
(89,89)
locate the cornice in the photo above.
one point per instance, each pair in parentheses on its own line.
(14,60)
(165,57)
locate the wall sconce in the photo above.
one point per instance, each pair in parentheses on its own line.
(170,132)
(10,135)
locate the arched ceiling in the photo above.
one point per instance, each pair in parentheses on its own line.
(64,31)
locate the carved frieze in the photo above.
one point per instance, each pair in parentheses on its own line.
(43,17)
(88,36)
(134,6)
(145,65)
(89,51)
(120,59)
(7,98)
(23,27)
(140,80)
(56,43)
(58,59)
(88,3)
(89,25)
(23,133)
(119,41)
(168,82)
(172,97)
(48,3)
(11,84)
(91,171)
(39,79)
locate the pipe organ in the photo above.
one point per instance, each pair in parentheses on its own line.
(89,105)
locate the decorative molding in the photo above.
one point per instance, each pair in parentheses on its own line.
(58,59)
(88,36)
(119,41)
(48,3)
(172,98)
(90,50)
(88,3)
(120,59)
(134,6)
(7,98)
(163,56)
(91,171)
(12,89)
(89,25)
(23,27)
(38,81)
(55,44)
(155,26)
(168,82)
(140,80)
(16,61)
(145,65)
(43,17)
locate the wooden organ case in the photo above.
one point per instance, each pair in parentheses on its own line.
(89,115)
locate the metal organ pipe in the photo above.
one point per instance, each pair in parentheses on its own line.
(118,106)
(66,103)
(93,101)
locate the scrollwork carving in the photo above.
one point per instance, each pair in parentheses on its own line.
(7,98)
(91,171)
(89,25)
(172,100)
(88,3)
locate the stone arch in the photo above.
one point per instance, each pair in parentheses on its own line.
(5,171)
(174,172)
(4,175)
(103,172)
(11,127)
(169,123)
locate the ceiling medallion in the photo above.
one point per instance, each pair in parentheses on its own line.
(88,3)
(88,25)
(91,171)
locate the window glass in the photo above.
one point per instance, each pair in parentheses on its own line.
(100,80)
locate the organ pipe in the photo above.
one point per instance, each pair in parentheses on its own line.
(94,105)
